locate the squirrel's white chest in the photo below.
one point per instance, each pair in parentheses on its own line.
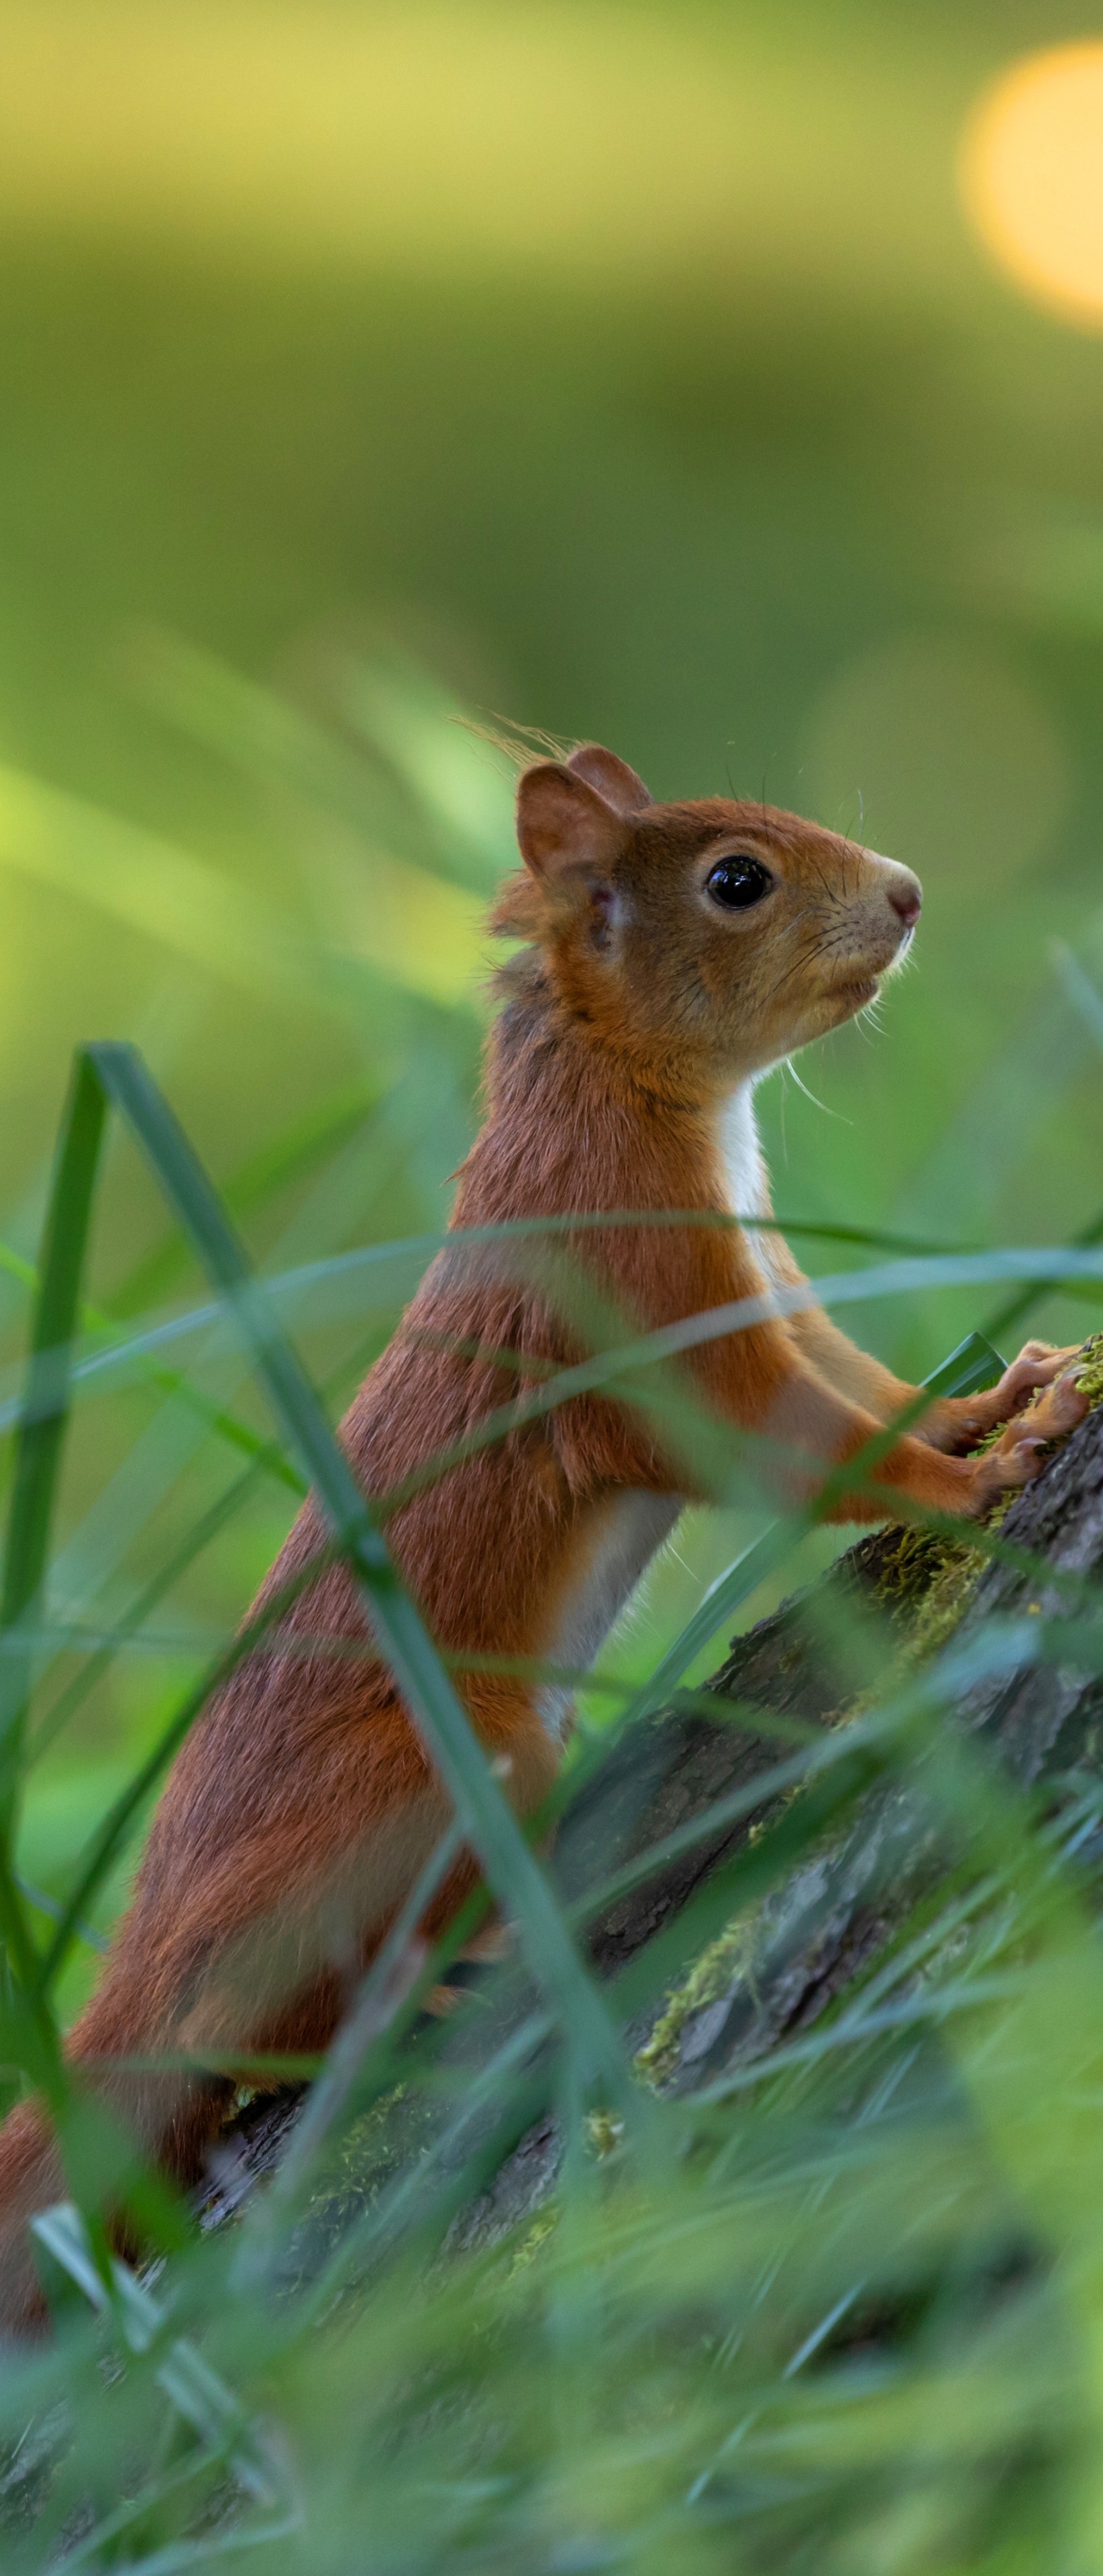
(742,1154)
(744,1164)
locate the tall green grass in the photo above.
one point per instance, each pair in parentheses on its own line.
(841,2312)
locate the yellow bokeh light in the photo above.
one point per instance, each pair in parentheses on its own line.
(1032,177)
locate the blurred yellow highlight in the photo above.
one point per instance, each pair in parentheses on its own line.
(430,134)
(453,140)
(1032,177)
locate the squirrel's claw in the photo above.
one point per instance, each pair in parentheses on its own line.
(1038,1365)
(1024,1450)
(961,1420)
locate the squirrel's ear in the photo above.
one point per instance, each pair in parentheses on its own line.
(612,777)
(564,826)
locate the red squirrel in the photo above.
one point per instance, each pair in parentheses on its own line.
(670,954)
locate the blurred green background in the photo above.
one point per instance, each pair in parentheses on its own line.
(630,372)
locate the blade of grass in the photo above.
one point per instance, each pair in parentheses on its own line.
(203,1530)
(1047,1268)
(1004,1317)
(199,1536)
(291,1157)
(38,1459)
(172,1382)
(45,1404)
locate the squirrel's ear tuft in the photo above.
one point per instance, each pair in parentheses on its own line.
(612,778)
(564,826)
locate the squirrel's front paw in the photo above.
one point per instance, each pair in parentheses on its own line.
(961,1420)
(1027,1443)
(1038,1365)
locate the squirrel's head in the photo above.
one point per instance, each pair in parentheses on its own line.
(706,940)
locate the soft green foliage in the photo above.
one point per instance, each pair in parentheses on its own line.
(629,370)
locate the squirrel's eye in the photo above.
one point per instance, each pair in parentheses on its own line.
(736,883)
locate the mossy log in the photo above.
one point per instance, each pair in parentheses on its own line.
(831,1914)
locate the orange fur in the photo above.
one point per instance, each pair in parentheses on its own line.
(303,1802)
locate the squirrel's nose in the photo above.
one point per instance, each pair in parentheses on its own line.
(907,900)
